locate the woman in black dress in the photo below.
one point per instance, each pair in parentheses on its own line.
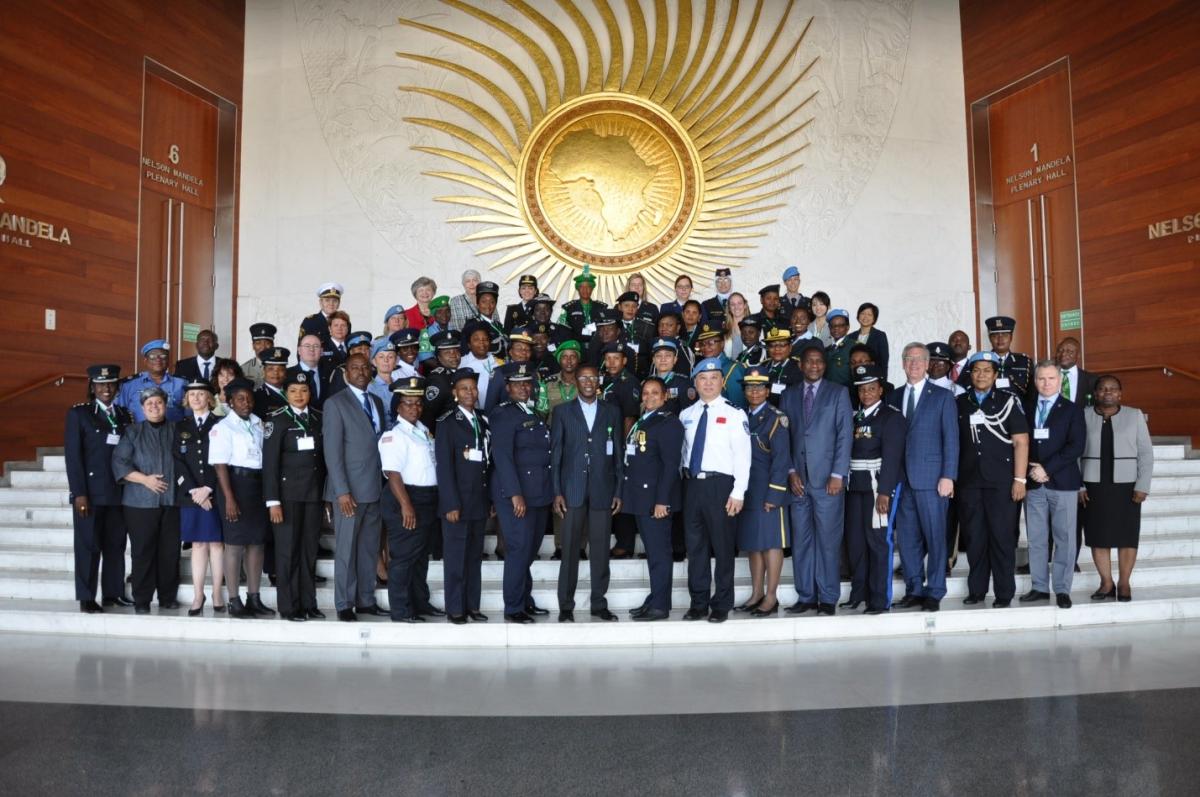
(1118,460)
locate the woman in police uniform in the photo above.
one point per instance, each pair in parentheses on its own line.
(763,522)
(195,485)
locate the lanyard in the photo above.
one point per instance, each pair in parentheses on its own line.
(636,425)
(475,427)
(109,416)
(297,419)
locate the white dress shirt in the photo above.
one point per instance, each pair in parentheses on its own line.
(484,367)
(211,363)
(358,396)
(236,442)
(589,411)
(916,389)
(408,450)
(726,441)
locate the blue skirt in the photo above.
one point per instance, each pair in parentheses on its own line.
(196,525)
(759,530)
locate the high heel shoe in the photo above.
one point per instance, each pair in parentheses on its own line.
(1101,595)
(199,610)
(765,612)
(749,606)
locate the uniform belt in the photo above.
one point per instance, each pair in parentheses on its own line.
(872,467)
(706,474)
(866,464)
(420,488)
(238,470)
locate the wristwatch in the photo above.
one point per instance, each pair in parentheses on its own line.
(1019,479)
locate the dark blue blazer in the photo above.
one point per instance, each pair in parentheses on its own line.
(88,454)
(1059,454)
(652,470)
(520,455)
(770,458)
(931,449)
(582,468)
(462,483)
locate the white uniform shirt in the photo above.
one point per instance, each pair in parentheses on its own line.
(483,367)
(404,371)
(236,443)
(945,382)
(726,441)
(408,450)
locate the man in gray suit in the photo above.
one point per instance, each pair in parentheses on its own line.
(353,421)
(586,464)
(822,426)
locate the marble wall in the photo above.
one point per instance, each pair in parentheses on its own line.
(332,190)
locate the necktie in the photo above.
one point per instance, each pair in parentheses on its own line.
(954,373)
(810,395)
(341,349)
(475,426)
(910,406)
(199,422)
(367,409)
(697,458)
(1066,384)
(1043,412)
(204,375)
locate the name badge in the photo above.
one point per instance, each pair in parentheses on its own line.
(976,418)
(630,449)
(633,346)
(778,388)
(473,455)
(112,439)
(550,347)
(1041,434)
(306,444)
(589,329)
(1003,383)
(608,447)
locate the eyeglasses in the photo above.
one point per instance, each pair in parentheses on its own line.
(156,356)
(310,345)
(587,379)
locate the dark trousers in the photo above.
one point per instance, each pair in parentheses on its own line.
(656,536)
(870,552)
(625,529)
(598,523)
(408,567)
(462,568)
(295,546)
(986,514)
(100,534)
(953,538)
(270,557)
(709,531)
(154,549)
(522,538)
(678,543)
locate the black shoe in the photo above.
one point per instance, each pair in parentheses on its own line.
(533,610)
(799,607)
(695,614)
(254,603)
(761,612)
(851,605)
(199,610)
(1034,595)
(749,606)
(274,579)
(1126,598)
(218,608)
(431,611)
(557,555)
(239,610)
(650,615)
(826,609)
(909,601)
(142,609)
(718,617)
(583,556)
(457,619)
(477,616)
(566,616)
(1101,595)
(1023,570)
(931,605)
(499,556)
(520,618)
(620,553)
(380,583)
(1063,600)
(375,610)
(347,616)
(314,614)
(298,617)
(120,600)
(320,580)
(874,610)
(90,607)
(605,615)
(1077,570)
(971,600)
(168,604)
(412,618)
(1001,603)
(638,611)
(678,557)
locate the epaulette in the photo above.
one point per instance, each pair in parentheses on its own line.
(279,410)
(453,409)
(81,404)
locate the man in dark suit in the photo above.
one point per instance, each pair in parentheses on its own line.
(821,424)
(310,362)
(1077,384)
(204,364)
(352,423)
(586,467)
(930,469)
(93,430)
(1052,497)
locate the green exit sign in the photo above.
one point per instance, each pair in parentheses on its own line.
(190,332)
(1070,319)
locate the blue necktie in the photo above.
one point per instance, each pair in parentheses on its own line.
(204,376)
(697,458)
(367,409)
(810,395)
(1043,412)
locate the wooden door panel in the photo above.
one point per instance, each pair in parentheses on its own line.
(1014,272)
(194,276)
(154,254)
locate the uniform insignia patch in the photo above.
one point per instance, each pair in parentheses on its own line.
(268,427)
(783,421)
(432,392)
(746,426)
(184,435)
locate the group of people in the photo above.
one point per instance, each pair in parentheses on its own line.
(703,427)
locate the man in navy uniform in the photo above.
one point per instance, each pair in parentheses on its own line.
(155,354)
(521,489)
(462,452)
(650,491)
(330,296)
(770,315)
(585,471)
(994,458)
(876,469)
(262,337)
(791,298)
(93,430)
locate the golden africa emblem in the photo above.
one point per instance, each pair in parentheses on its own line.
(664,167)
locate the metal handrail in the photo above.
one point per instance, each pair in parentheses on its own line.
(56,380)
(1168,370)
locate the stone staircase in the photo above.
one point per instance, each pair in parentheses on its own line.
(37,587)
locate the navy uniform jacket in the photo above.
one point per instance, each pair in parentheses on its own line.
(651,460)
(680,393)
(877,342)
(315,399)
(1017,368)
(985,460)
(624,392)
(586,467)
(880,436)
(266,400)
(315,324)
(462,482)
(496,391)
(190,450)
(289,473)
(547,366)
(1059,453)
(712,305)
(785,374)
(438,396)
(753,355)
(559,334)
(520,455)
(89,454)
(782,319)
(770,458)
(574,317)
